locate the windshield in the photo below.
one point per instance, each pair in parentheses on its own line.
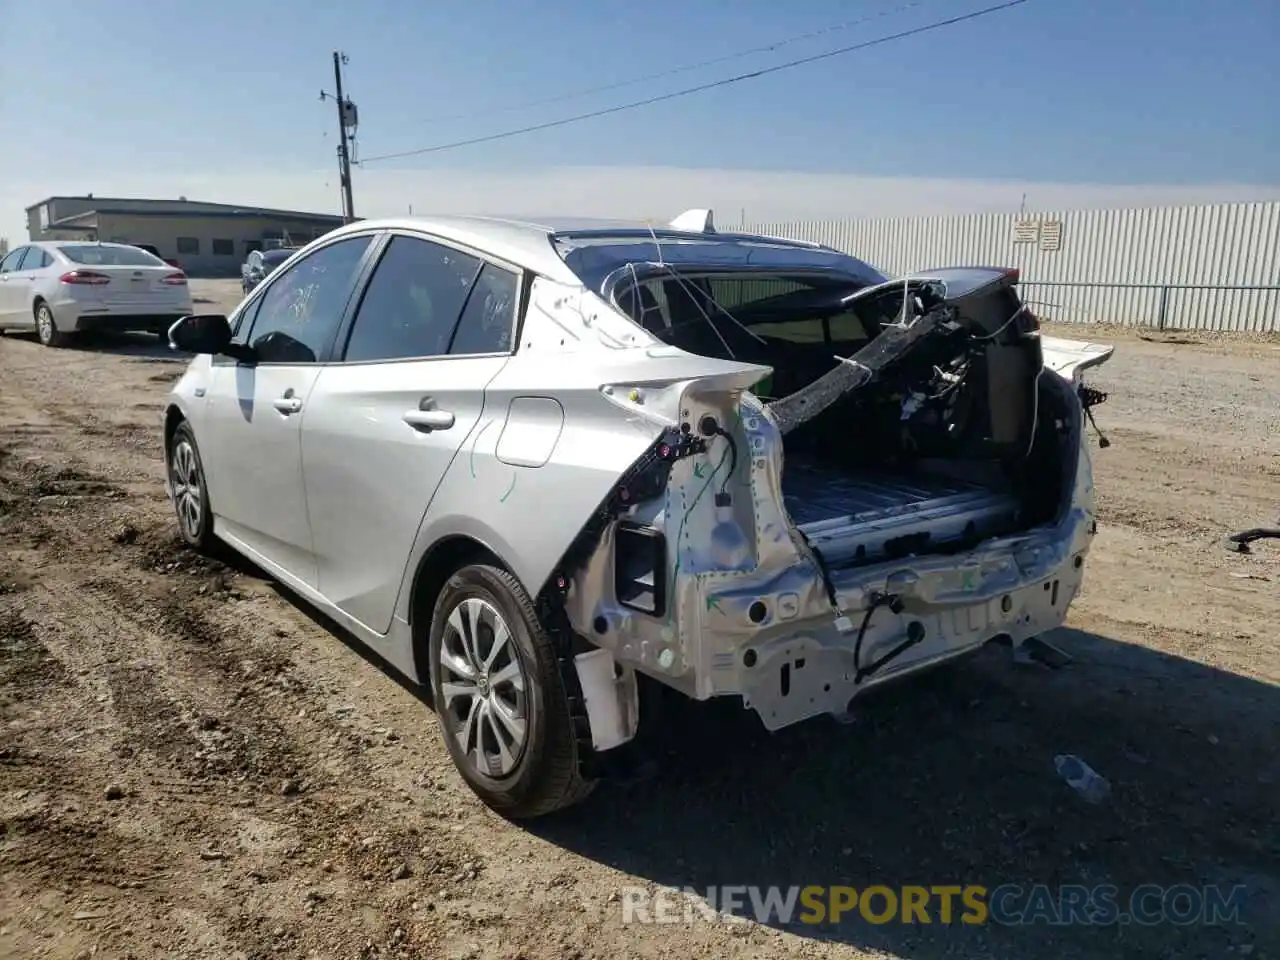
(107,256)
(273,258)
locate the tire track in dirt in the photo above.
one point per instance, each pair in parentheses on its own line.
(1162,487)
(231,734)
(26,666)
(168,726)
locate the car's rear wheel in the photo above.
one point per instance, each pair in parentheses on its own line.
(47,328)
(189,494)
(496,683)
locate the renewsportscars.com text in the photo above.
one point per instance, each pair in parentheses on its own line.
(972,904)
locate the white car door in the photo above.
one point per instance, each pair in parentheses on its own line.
(383,423)
(12,290)
(254,412)
(32,279)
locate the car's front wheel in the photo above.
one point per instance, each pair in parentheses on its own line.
(496,683)
(188,491)
(47,328)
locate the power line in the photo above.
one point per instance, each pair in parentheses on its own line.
(564,121)
(617,85)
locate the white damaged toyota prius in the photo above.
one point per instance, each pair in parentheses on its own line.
(528,464)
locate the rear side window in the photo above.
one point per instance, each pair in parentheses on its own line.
(489,318)
(300,312)
(92,254)
(413,302)
(36,259)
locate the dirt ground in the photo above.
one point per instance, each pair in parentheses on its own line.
(192,765)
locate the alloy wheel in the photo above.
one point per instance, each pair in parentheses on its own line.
(44,323)
(184,474)
(484,686)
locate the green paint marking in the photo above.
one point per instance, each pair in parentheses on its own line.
(503,498)
(713,603)
(471,460)
(697,469)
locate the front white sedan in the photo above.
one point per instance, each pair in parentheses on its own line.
(62,288)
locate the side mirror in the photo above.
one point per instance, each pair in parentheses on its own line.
(206,333)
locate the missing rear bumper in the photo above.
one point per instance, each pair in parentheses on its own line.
(790,672)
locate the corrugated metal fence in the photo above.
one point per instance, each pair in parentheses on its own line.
(1214,267)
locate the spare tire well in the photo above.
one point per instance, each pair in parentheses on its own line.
(443,560)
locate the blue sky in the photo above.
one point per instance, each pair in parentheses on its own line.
(207,97)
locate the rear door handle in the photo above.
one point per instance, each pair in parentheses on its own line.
(287,403)
(427,418)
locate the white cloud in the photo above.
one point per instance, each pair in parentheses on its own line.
(622,192)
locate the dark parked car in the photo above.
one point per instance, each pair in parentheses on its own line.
(259,264)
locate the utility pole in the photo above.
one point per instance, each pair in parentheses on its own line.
(347,122)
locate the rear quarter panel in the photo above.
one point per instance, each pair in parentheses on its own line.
(550,446)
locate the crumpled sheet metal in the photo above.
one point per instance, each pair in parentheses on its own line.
(722,559)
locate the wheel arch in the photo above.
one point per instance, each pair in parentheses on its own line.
(38,300)
(173,416)
(441,560)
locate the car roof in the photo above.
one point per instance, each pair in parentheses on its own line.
(533,246)
(58,244)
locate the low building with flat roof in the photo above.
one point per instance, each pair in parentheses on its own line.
(207,239)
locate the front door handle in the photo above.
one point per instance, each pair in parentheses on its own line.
(427,417)
(287,403)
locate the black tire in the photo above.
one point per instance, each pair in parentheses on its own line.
(545,776)
(47,327)
(198,534)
